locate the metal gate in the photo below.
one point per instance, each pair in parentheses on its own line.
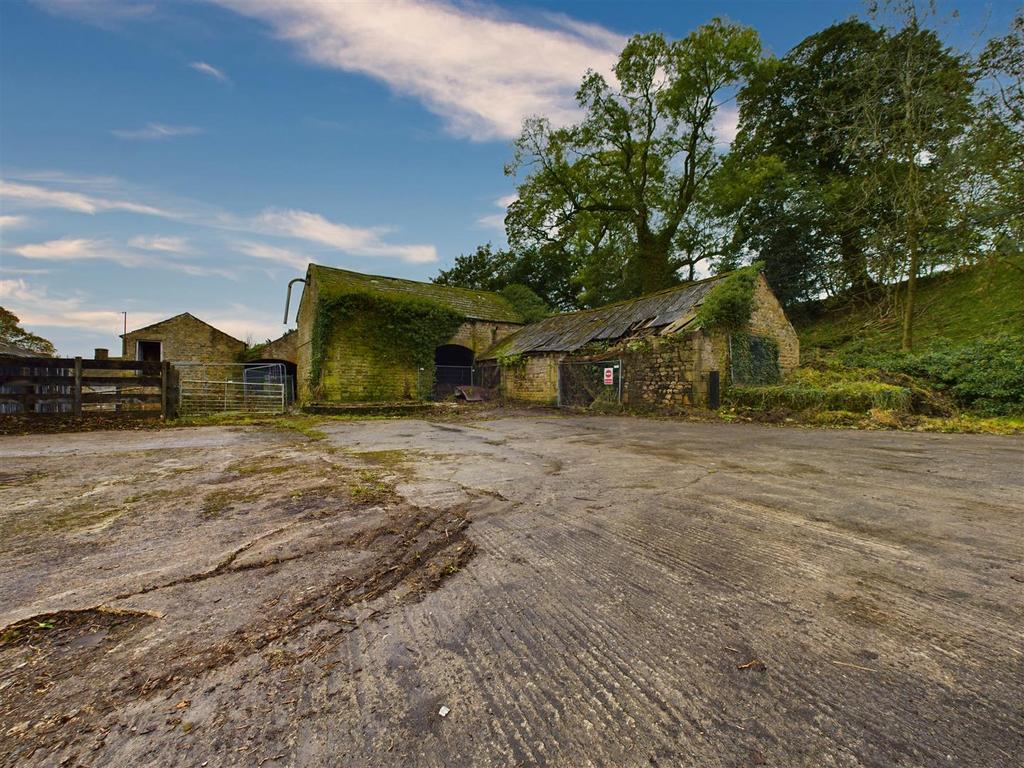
(589,383)
(205,388)
(448,377)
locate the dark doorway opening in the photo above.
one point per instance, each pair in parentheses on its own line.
(453,367)
(150,351)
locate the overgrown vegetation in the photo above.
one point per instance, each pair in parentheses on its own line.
(809,389)
(729,305)
(408,329)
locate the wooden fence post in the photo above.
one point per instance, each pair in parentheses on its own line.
(78,388)
(165,389)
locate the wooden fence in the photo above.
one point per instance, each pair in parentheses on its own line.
(83,387)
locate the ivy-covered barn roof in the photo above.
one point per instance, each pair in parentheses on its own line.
(671,309)
(474,305)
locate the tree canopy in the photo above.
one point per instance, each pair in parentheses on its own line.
(871,153)
(11,332)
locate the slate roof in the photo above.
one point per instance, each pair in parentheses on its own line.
(182,315)
(671,309)
(475,305)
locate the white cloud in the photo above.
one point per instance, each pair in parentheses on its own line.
(156,132)
(358,241)
(34,196)
(242,322)
(476,67)
(13,222)
(497,220)
(162,243)
(273,253)
(210,71)
(79,249)
(725,125)
(37,307)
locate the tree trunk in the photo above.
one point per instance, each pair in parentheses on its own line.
(653,270)
(908,303)
(855,265)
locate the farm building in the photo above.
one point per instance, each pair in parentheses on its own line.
(369,338)
(653,351)
(183,338)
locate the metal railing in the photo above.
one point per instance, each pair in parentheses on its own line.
(208,388)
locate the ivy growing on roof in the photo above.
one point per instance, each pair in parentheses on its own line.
(729,305)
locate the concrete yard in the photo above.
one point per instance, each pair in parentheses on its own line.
(575,590)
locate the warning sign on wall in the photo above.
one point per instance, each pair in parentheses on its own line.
(609,376)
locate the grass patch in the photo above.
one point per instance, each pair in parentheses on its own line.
(217,502)
(955,307)
(813,390)
(370,486)
(301,423)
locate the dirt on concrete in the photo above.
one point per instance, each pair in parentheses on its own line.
(574,591)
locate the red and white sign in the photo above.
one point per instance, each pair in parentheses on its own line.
(609,376)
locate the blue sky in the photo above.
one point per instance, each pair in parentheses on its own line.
(160,157)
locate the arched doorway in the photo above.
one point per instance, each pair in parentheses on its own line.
(453,367)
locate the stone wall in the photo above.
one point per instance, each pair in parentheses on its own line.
(534,380)
(355,369)
(769,319)
(480,335)
(186,339)
(662,372)
(284,347)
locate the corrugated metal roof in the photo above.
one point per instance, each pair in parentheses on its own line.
(573,330)
(476,305)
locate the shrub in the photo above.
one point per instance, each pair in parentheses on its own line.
(985,376)
(809,389)
(526,302)
(729,305)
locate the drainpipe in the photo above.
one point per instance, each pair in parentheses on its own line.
(288,298)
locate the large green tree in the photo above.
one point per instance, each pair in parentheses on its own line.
(791,184)
(11,332)
(617,195)
(912,120)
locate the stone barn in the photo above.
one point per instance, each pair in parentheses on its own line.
(365,338)
(667,358)
(183,338)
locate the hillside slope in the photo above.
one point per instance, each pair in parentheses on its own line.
(961,306)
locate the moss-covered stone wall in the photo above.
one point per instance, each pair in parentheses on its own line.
(533,379)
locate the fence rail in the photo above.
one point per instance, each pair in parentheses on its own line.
(83,387)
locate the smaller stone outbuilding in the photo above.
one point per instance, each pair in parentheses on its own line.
(650,351)
(183,338)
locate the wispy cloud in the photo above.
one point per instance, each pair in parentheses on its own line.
(161,243)
(358,241)
(157,132)
(104,13)
(478,68)
(35,196)
(75,249)
(13,222)
(78,249)
(210,71)
(273,253)
(37,307)
(497,220)
(301,225)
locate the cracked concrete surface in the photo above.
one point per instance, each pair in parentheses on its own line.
(642,593)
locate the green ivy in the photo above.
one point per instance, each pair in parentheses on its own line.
(729,305)
(754,359)
(409,329)
(511,361)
